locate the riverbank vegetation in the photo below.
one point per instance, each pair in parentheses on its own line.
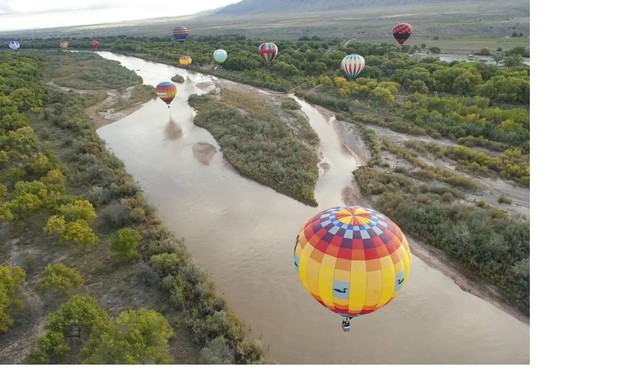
(81,247)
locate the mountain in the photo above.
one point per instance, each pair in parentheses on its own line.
(298,6)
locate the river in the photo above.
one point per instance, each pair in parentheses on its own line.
(243,234)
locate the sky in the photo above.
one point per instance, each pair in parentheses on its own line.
(31,14)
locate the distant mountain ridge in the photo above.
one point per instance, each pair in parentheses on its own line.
(289,6)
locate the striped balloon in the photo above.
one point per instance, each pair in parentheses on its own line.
(185,61)
(220,56)
(268,52)
(180,33)
(352,65)
(166,91)
(14,45)
(402,31)
(352,260)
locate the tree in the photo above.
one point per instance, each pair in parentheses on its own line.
(10,279)
(435,50)
(136,337)
(74,321)
(59,278)
(513,61)
(78,209)
(382,95)
(78,231)
(124,244)
(218,352)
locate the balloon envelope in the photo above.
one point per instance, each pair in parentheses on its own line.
(220,56)
(402,31)
(94,44)
(64,45)
(185,61)
(352,65)
(352,260)
(166,91)
(14,45)
(268,52)
(180,33)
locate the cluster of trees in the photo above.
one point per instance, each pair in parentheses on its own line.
(105,207)
(260,145)
(82,331)
(510,164)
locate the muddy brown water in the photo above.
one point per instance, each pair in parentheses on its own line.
(243,233)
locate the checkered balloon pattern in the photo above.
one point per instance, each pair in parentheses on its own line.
(352,260)
(402,31)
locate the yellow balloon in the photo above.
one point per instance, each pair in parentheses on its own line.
(352,260)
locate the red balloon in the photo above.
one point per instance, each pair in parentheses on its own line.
(402,31)
(94,44)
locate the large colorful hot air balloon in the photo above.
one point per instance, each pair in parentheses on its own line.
(220,56)
(94,44)
(268,52)
(185,61)
(402,31)
(64,45)
(352,260)
(180,33)
(352,65)
(14,45)
(166,91)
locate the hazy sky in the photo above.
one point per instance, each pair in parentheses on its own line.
(29,14)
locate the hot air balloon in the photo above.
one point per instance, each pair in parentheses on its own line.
(220,56)
(14,45)
(185,61)
(94,44)
(352,65)
(166,91)
(352,260)
(64,45)
(180,33)
(268,52)
(402,31)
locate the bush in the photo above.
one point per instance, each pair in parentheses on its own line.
(124,244)
(10,279)
(217,352)
(61,279)
(504,200)
(116,215)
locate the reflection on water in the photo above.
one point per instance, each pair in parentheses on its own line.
(204,152)
(243,234)
(173,130)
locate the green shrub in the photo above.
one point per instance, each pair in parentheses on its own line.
(124,244)
(504,200)
(59,278)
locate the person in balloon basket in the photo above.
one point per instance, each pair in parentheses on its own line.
(345,324)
